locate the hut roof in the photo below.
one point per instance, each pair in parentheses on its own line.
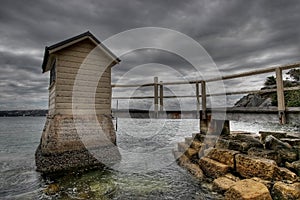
(63,44)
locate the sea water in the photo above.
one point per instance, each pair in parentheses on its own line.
(147,169)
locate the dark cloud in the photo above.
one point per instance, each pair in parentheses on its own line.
(238,35)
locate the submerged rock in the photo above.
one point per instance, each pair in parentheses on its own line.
(52,189)
(248,189)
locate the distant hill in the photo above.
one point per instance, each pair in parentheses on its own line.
(292,98)
(16,113)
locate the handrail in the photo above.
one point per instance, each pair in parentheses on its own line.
(159,86)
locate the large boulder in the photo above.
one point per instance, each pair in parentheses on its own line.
(265,153)
(249,167)
(212,168)
(272,142)
(239,143)
(292,141)
(283,191)
(222,184)
(248,189)
(224,156)
(284,149)
(278,135)
(295,166)
(289,155)
(195,170)
(283,174)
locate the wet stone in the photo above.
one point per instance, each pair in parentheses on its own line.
(291,141)
(265,153)
(249,167)
(248,189)
(283,174)
(195,170)
(278,135)
(224,156)
(212,168)
(283,191)
(222,184)
(268,184)
(272,142)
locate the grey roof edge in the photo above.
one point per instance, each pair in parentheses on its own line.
(87,33)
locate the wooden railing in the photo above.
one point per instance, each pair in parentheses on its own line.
(158,88)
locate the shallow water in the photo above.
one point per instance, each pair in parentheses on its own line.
(147,169)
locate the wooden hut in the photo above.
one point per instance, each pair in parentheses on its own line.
(79,118)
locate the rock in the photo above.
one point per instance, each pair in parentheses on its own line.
(212,168)
(264,153)
(183,160)
(248,189)
(232,177)
(182,146)
(291,141)
(272,142)
(289,155)
(196,145)
(295,166)
(52,189)
(195,170)
(222,184)
(268,184)
(238,145)
(252,100)
(249,167)
(285,174)
(224,156)
(278,135)
(191,153)
(283,191)
(188,140)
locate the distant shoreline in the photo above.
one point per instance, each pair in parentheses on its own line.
(23,113)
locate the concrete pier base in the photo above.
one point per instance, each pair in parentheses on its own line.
(76,142)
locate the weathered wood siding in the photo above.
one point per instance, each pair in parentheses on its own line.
(69,61)
(52,94)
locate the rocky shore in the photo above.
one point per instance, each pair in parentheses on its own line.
(243,165)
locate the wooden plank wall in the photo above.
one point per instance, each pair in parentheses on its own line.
(69,61)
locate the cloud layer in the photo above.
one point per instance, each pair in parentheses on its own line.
(239,36)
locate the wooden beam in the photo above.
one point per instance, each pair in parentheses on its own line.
(156,95)
(280,96)
(198,99)
(161,96)
(203,98)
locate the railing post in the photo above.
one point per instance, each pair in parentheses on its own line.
(280,96)
(198,100)
(161,96)
(203,98)
(156,97)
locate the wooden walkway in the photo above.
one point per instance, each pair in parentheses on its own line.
(201,95)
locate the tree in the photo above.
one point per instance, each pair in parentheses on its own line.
(294,74)
(271,80)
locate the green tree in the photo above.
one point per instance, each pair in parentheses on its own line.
(271,80)
(294,74)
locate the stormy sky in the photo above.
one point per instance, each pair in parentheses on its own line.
(239,36)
